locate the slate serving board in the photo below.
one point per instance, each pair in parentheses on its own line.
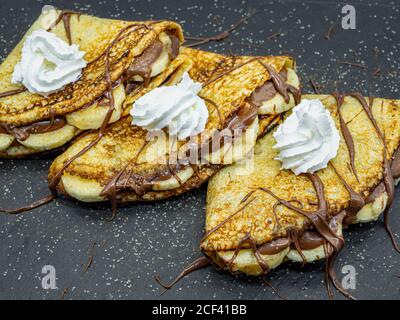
(163,237)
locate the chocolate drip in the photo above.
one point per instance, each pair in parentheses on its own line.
(12,92)
(23,133)
(247,196)
(266,91)
(281,86)
(278,82)
(198,264)
(220,36)
(175,45)
(331,273)
(53,183)
(346,132)
(395,165)
(65,16)
(3,129)
(356,200)
(274,247)
(310,240)
(139,184)
(32,206)
(238,123)
(142,64)
(294,238)
(247,240)
(388,178)
(317,217)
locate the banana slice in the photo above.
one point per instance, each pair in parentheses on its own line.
(277,104)
(173,183)
(50,140)
(5,141)
(82,189)
(372,211)
(246,261)
(93,116)
(18,151)
(86,190)
(311,255)
(234,152)
(162,62)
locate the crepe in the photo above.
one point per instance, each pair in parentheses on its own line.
(251,229)
(125,166)
(122,45)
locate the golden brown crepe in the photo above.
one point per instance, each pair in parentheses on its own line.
(123,166)
(250,229)
(119,44)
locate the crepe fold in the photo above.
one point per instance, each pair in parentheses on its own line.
(118,44)
(250,226)
(128,166)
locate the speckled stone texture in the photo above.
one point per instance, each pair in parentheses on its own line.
(163,237)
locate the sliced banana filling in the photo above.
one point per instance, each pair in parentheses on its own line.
(6,141)
(234,148)
(50,140)
(246,261)
(175,181)
(162,61)
(86,190)
(93,116)
(269,101)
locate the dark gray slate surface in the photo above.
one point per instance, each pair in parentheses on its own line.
(163,237)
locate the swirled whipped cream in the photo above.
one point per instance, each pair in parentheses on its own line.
(308,139)
(48,63)
(177,108)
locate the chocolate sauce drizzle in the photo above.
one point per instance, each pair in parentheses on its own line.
(241,120)
(57,177)
(346,132)
(356,200)
(111,189)
(23,133)
(220,36)
(281,86)
(53,183)
(310,239)
(32,206)
(12,92)
(318,217)
(153,51)
(388,178)
(197,264)
(65,16)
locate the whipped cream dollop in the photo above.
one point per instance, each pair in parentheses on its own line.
(48,63)
(177,108)
(308,138)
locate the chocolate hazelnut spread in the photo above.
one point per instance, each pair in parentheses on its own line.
(266,91)
(141,65)
(23,133)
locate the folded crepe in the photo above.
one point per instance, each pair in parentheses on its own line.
(257,220)
(132,56)
(127,166)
